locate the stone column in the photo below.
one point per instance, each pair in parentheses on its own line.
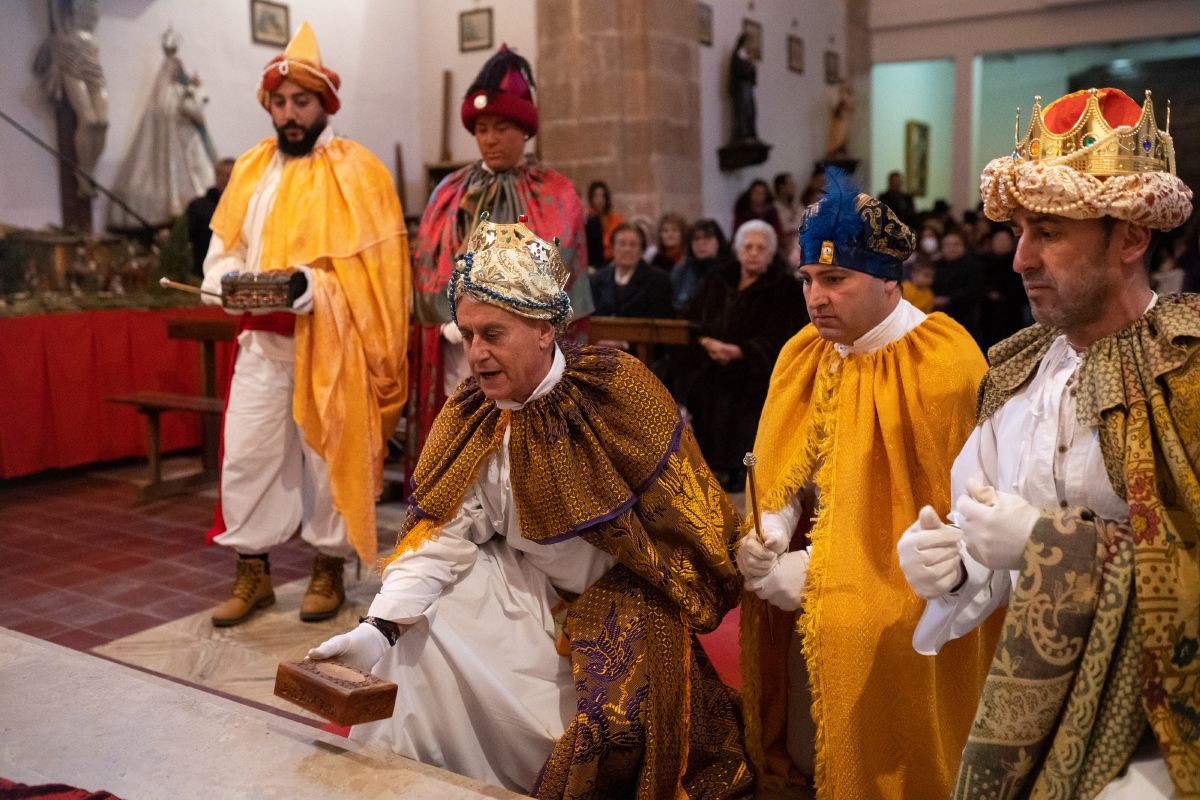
(619,100)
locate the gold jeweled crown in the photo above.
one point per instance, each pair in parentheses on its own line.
(1093,146)
(508,265)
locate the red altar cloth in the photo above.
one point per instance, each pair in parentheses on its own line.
(56,370)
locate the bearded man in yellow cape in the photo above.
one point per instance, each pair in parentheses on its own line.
(866,409)
(316,390)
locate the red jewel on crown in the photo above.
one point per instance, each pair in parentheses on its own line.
(521,219)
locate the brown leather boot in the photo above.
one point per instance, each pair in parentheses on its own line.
(251,590)
(325,593)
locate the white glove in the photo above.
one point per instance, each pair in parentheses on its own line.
(451,333)
(929,555)
(995,525)
(783,586)
(755,559)
(304,303)
(361,647)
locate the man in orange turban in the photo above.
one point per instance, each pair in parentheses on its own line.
(1077,496)
(317,390)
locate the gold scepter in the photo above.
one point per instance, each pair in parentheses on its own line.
(751,461)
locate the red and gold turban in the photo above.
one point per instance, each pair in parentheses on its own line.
(301,64)
(1091,154)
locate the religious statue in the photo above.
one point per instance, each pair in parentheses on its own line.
(68,65)
(171,159)
(839,123)
(742,78)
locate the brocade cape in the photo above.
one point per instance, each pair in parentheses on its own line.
(877,434)
(336,211)
(605,456)
(1102,629)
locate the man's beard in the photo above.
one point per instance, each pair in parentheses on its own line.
(302,146)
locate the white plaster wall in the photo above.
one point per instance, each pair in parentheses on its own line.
(914,90)
(793,109)
(372,44)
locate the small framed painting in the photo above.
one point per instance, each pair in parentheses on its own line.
(833,69)
(475,30)
(704,23)
(754,37)
(795,53)
(269,23)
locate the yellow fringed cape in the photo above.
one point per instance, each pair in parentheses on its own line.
(603,455)
(877,434)
(336,211)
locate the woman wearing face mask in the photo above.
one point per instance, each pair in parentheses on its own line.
(927,242)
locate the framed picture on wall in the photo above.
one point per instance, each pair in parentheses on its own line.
(475,30)
(833,69)
(916,157)
(269,23)
(754,37)
(704,23)
(795,53)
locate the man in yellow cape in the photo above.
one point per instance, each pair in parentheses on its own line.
(315,391)
(564,543)
(1078,494)
(866,409)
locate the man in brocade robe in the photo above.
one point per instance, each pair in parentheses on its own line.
(1076,496)
(315,391)
(867,407)
(499,111)
(565,542)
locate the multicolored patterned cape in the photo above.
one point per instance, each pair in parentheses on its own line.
(1102,632)
(605,456)
(552,209)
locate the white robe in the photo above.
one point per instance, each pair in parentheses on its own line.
(483,692)
(1034,447)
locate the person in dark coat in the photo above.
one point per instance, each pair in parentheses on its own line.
(958,288)
(1005,307)
(629,287)
(200,212)
(706,250)
(744,312)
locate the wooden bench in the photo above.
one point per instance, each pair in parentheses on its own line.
(152,404)
(641,332)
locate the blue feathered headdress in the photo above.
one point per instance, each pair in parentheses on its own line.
(853,230)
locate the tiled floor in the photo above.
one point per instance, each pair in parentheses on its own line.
(81,566)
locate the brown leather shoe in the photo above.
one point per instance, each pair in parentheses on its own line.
(251,591)
(325,593)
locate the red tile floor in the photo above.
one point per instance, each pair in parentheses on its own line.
(81,565)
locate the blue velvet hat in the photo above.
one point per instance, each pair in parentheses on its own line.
(849,229)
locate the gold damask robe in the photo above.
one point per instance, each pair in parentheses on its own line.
(876,434)
(336,211)
(604,455)
(1102,631)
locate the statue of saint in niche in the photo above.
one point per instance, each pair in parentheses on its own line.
(742,77)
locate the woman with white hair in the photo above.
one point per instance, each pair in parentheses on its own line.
(744,311)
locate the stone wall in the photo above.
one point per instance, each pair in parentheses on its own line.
(619,100)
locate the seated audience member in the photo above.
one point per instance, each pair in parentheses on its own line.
(898,200)
(1005,307)
(600,223)
(706,249)
(629,287)
(757,203)
(787,206)
(918,289)
(670,249)
(744,311)
(958,285)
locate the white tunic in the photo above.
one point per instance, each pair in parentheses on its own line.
(1034,447)
(483,692)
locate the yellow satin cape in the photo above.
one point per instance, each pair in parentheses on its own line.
(336,211)
(877,434)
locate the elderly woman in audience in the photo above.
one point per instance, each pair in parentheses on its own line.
(744,312)
(629,287)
